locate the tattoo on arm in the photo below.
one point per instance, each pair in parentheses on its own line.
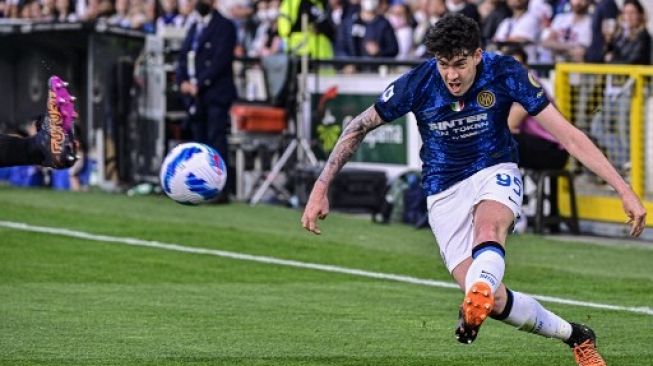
(349,140)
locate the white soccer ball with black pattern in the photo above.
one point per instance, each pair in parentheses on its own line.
(193,173)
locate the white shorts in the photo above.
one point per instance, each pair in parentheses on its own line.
(451,211)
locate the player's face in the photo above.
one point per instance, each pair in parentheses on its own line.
(459,72)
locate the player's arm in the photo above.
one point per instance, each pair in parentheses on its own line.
(516,117)
(352,136)
(583,149)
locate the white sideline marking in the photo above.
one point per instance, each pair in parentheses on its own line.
(292,263)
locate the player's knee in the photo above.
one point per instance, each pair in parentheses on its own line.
(490,231)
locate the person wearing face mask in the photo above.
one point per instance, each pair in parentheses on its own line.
(261,37)
(367,34)
(426,17)
(461,100)
(205,77)
(402,21)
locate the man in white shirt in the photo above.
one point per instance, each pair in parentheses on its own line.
(570,33)
(523,27)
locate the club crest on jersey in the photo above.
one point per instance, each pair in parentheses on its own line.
(457,106)
(533,81)
(486,99)
(388,93)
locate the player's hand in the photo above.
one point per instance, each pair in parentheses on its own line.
(317,207)
(636,213)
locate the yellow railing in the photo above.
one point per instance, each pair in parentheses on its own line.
(609,103)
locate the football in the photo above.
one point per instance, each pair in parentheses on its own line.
(193,173)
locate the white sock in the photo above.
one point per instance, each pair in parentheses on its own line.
(488,266)
(530,316)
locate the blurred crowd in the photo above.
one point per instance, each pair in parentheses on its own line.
(550,30)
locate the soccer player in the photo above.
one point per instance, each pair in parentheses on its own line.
(54,143)
(461,99)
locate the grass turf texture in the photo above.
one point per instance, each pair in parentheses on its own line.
(66,301)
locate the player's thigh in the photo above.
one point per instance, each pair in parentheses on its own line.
(450,218)
(492,220)
(498,202)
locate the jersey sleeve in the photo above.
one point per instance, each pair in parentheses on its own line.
(524,88)
(398,98)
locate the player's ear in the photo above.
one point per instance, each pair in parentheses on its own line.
(478,56)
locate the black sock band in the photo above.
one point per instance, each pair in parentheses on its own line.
(508,308)
(488,245)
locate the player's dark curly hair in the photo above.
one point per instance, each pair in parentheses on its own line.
(453,35)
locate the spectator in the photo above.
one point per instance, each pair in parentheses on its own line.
(497,13)
(137,14)
(632,42)
(426,17)
(169,16)
(149,25)
(537,149)
(465,8)
(253,29)
(187,14)
(272,41)
(103,10)
(316,41)
(206,78)
(560,6)
(604,23)
(261,36)
(90,12)
(80,8)
(570,34)
(12,9)
(339,10)
(522,28)
(367,34)
(542,10)
(31,9)
(120,18)
(63,13)
(402,22)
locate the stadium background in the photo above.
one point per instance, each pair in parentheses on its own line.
(69,298)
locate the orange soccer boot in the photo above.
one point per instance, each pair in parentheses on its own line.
(476,307)
(583,343)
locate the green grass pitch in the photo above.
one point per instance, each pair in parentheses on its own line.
(71,301)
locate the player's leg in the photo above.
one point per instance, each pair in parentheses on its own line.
(16,150)
(527,314)
(497,203)
(55,137)
(521,311)
(482,274)
(53,145)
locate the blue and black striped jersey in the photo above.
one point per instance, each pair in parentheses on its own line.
(462,135)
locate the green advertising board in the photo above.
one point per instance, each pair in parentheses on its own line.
(387,144)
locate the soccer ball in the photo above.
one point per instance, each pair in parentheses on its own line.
(193,173)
